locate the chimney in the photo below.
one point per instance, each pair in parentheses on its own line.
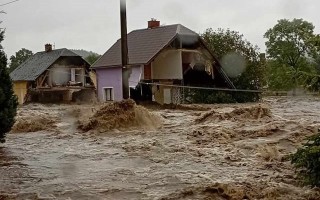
(48,47)
(153,23)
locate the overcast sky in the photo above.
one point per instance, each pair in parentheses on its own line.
(95,24)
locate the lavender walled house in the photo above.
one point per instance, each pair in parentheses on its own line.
(164,55)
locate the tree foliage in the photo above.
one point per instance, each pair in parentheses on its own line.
(225,42)
(289,42)
(307,161)
(8,101)
(282,77)
(20,57)
(292,53)
(92,58)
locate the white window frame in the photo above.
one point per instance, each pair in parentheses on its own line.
(104,94)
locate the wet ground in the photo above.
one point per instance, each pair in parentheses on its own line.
(235,151)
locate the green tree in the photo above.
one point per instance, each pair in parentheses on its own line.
(311,79)
(8,101)
(20,57)
(92,58)
(307,161)
(225,44)
(279,76)
(289,44)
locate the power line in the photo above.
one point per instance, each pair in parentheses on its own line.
(9,2)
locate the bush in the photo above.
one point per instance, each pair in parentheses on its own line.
(209,96)
(307,161)
(244,97)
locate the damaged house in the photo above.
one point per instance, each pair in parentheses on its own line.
(53,76)
(159,56)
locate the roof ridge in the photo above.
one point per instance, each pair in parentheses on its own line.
(143,29)
(63,51)
(51,50)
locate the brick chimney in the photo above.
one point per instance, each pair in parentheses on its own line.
(48,47)
(153,23)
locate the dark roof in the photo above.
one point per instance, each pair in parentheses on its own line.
(143,45)
(32,68)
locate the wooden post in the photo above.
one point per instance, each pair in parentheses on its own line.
(124,50)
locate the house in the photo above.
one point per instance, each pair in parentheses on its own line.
(51,76)
(159,56)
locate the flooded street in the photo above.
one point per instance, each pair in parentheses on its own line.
(235,151)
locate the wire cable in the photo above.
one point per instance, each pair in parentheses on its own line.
(204,88)
(9,2)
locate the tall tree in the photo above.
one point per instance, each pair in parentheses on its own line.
(20,57)
(228,44)
(93,57)
(8,101)
(289,44)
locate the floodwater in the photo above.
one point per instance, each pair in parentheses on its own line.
(235,151)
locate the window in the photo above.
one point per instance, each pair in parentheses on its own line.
(108,94)
(77,75)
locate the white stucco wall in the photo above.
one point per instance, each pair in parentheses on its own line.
(168,65)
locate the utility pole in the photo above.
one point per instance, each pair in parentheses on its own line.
(124,50)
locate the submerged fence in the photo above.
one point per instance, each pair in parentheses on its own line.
(171,93)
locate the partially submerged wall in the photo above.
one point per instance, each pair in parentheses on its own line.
(64,96)
(20,89)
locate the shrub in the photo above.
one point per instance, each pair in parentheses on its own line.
(208,96)
(307,161)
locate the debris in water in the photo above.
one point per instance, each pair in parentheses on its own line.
(269,153)
(33,125)
(120,115)
(243,113)
(33,118)
(234,191)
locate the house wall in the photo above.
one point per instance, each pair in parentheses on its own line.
(147,72)
(60,72)
(168,65)
(93,77)
(60,75)
(110,78)
(20,89)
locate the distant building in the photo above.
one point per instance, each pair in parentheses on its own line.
(52,76)
(164,55)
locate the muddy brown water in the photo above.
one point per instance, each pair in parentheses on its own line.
(233,158)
